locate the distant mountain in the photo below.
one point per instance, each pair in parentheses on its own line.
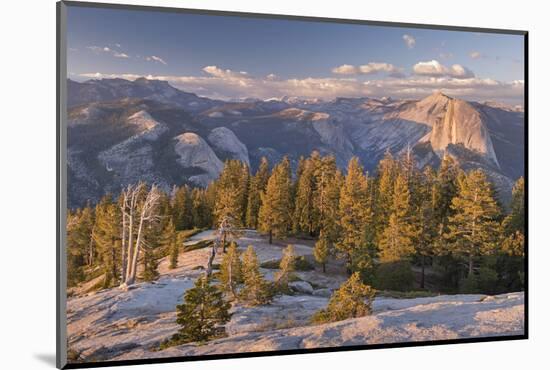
(123,131)
(104,90)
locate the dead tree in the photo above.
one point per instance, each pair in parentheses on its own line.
(227,230)
(145,211)
(211,259)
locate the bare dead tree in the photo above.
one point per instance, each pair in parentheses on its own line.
(227,230)
(148,213)
(211,259)
(123,208)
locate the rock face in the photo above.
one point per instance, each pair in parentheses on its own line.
(115,324)
(225,140)
(194,152)
(301,286)
(462,124)
(123,131)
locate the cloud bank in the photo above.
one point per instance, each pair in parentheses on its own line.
(216,82)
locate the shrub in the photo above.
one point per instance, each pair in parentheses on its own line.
(200,315)
(352,299)
(394,276)
(485,281)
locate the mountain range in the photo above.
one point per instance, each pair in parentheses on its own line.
(120,132)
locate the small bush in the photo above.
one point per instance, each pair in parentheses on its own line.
(394,276)
(352,299)
(485,281)
(300,264)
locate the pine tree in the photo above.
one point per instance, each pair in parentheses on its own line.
(182,206)
(473,228)
(326,197)
(304,219)
(447,187)
(170,243)
(201,313)
(231,271)
(256,290)
(515,221)
(352,299)
(321,251)
(286,268)
(152,239)
(257,186)
(201,213)
(79,230)
(355,214)
(231,193)
(275,211)
(424,220)
(387,172)
(106,235)
(396,241)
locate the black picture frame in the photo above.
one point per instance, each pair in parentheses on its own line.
(61,186)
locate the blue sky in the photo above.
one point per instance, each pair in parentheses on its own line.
(235,57)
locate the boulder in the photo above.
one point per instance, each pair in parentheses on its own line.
(325,292)
(301,287)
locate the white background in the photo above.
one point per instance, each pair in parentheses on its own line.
(27,194)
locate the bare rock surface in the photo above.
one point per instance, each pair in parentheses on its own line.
(115,324)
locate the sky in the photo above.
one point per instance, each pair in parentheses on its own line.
(228,57)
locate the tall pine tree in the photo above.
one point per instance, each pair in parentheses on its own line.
(275,211)
(473,228)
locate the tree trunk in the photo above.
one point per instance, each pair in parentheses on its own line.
(113,257)
(422,276)
(130,244)
(133,268)
(123,244)
(470,265)
(270,236)
(324,267)
(348,265)
(210,261)
(223,242)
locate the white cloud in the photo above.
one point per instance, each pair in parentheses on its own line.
(108,50)
(120,55)
(154,58)
(229,84)
(345,69)
(409,41)
(373,68)
(433,68)
(475,55)
(369,68)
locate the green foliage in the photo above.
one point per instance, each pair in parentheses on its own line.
(231,270)
(182,206)
(231,193)
(396,276)
(256,290)
(352,299)
(275,211)
(321,251)
(79,234)
(170,243)
(396,242)
(200,315)
(355,215)
(286,269)
(473,228)
(106,236)
(257,186)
